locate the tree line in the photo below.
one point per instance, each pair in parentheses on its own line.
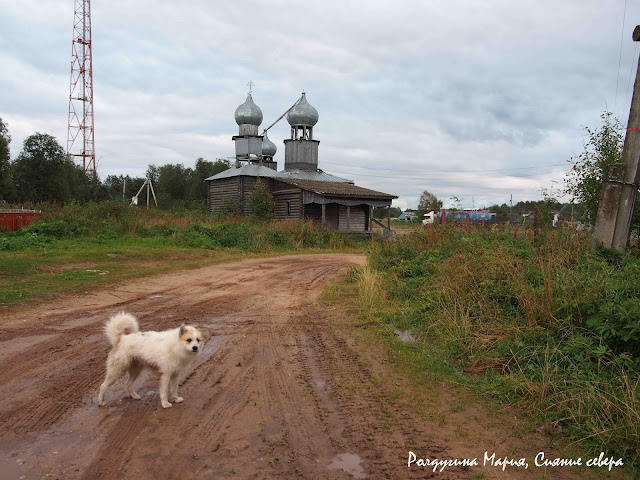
(43,173)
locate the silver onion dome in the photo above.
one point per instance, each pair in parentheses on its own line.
(269,148)
(303,113)
(248,113)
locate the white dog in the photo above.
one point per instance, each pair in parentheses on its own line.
(168,352)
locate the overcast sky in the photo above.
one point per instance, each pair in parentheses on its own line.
(477,99)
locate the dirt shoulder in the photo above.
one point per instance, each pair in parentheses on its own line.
(284,388)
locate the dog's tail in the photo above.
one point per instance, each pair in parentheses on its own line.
(120,324)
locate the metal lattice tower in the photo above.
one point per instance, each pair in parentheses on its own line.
(81,91)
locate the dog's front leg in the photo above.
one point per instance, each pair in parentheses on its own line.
(173,389)
(165,379)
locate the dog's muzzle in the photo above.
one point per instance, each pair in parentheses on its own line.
(194,348)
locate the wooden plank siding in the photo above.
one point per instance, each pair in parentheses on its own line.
(336,216)
(223,194)
(227,193)
(313,211)
(357,218)
(247,184)
(287,201)
(287,205)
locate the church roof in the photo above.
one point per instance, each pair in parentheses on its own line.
(339,189)
(252,170)
(318,175)
(249,170)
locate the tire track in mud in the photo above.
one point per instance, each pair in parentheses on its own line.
(64,346)
(54,376)
(292,432)
(380,436)
(53,404)
(118,443)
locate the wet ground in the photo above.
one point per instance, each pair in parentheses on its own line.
(277,392)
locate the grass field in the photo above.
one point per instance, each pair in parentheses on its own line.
(76,266)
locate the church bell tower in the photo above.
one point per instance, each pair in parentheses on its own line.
(248,142)
(301,150)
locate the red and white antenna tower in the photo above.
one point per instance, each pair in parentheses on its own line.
(81,91)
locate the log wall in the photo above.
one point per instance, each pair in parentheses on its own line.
(223,194)
(357,218)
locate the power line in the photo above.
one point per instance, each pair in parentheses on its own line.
(429,177)
(615,100)
(451,171)
(633,62)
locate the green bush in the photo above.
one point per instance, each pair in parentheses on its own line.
(261,202)
(52,228)
(12,243)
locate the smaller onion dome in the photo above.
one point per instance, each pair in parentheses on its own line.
(303,113)
(248,113)
(269,148)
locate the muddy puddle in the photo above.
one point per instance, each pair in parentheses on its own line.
(349,463)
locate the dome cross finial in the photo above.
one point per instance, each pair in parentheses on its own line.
(251,84)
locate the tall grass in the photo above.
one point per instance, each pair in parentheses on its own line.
(370,286)
(552,327)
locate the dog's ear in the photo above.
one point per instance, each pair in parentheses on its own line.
(182,330)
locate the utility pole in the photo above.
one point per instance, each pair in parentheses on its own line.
(631,160)
(572,210)
(620,185)
(147,183)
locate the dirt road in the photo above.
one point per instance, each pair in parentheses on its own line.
(265,399)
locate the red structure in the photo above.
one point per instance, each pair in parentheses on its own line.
(16,219)
(80,138)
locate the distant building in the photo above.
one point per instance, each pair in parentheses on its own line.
(301,191)
(408,215)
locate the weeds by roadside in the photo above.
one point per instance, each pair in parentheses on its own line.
(553,328)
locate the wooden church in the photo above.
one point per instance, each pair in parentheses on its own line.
(301,191)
